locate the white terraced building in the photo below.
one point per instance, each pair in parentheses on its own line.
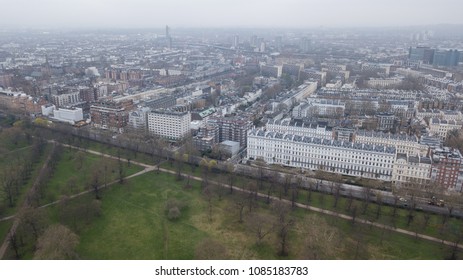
(441,128)
(411,169)
(355,159)
(404,144)
(299,128)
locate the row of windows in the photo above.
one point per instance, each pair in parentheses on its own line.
(331,161)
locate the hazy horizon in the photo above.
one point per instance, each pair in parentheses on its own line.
(228,13)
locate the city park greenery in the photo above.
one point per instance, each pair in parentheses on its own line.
(187,214)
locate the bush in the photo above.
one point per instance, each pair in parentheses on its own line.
(174,213)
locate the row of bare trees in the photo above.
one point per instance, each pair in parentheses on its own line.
(14,176)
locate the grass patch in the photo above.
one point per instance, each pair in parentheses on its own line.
(134,218)
(75,170)
(134,225)
(4,229)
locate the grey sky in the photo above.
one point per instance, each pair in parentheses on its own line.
(227,13)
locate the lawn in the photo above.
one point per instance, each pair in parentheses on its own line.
(4,228)
(434,226)
(76,169)
(134,225)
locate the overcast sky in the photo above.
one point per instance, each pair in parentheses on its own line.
(227,13)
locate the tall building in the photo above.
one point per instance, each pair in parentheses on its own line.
(233,128)
(424,54)
(236,41)
(169,124)
(168,38)
(111,115)
(446,58)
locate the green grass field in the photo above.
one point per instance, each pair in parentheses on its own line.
(75,170)
(134,225)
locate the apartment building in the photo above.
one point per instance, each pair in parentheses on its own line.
(111,115)
(343,157)
(64,99)
(297,127)
(233,128)
(138,120)
(441,128)
(405,144)
(409,169)
(447,168)
(169,124)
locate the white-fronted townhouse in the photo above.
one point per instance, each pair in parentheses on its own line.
(343,157)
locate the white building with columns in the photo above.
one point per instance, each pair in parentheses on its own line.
(343,157)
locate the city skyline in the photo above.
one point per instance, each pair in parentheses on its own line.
(227,13)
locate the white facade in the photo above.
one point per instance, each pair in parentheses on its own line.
(411,169)
(169,124)
(64,115)
(138,119)
(342,157)
(325,107)
(384,82)
(68,115)
(404,144)
(441,128)
(66,99)
(47,110)
(299,128)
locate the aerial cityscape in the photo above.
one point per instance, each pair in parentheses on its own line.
(167,138)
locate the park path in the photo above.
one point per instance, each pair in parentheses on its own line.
(149,168)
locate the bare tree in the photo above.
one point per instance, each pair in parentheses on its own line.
(379,203)
(240,203)
(322,240)
(210,249)
(366,193)
(16,244)
(72,184)
(33,220)
(208,195)
(295,186)
(261,225)
(283,225)
(230,167)
(80,157)
(8,180)
(178,157)
(95,184)
(57,243)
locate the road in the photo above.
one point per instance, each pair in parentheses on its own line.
(358,192)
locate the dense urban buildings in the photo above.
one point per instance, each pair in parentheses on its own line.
(380,109)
